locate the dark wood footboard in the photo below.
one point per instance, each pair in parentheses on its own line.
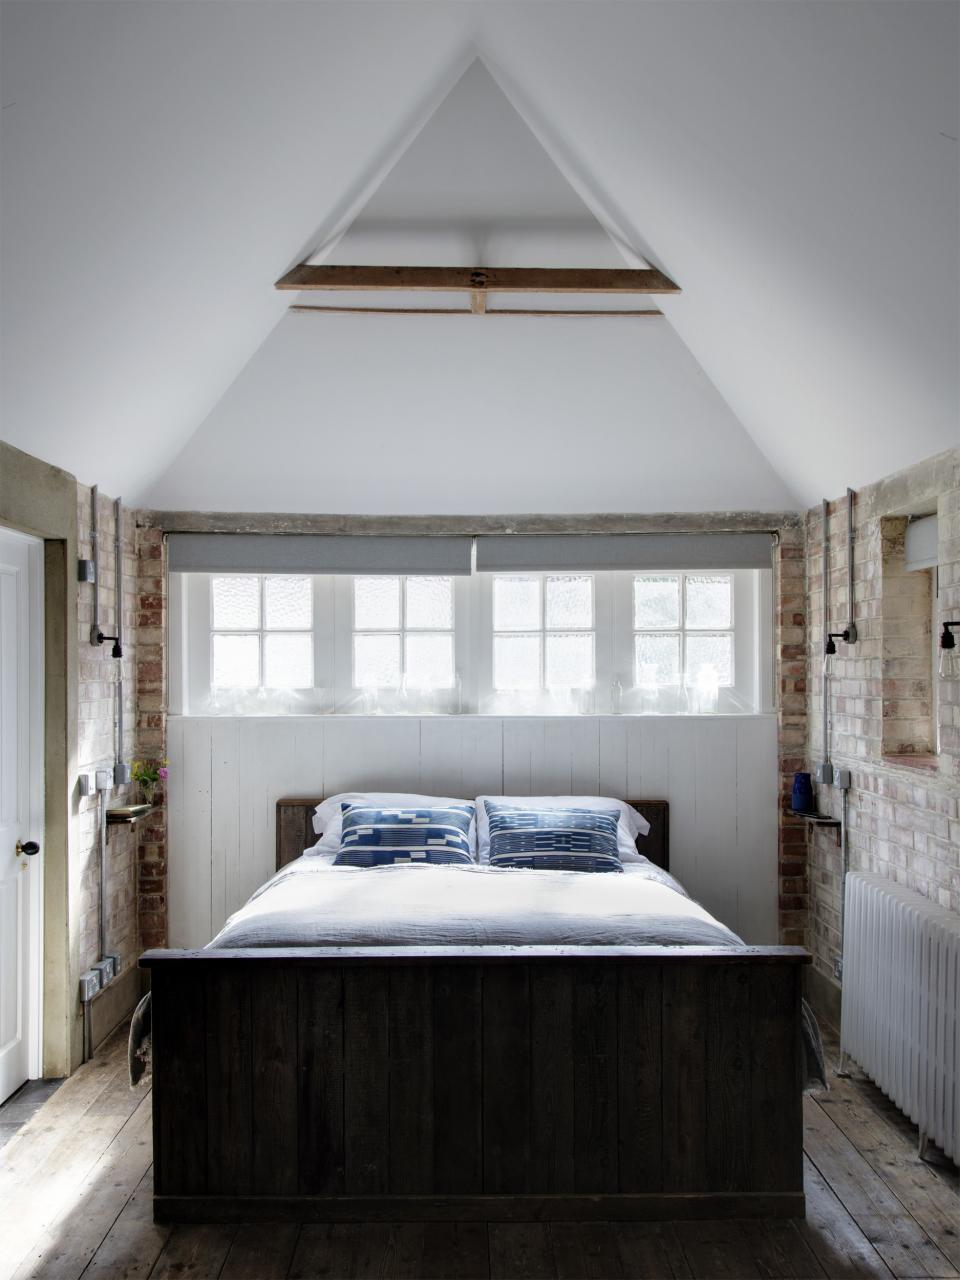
(492,1082)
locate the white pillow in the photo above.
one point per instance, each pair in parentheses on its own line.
(328,817)
(630,825)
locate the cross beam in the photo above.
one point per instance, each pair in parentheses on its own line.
(481,279)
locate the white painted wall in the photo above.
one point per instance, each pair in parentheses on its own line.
(718,773)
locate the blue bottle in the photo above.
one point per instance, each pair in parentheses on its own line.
(802,798)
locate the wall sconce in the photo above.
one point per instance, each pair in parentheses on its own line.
(948,646)
(830,648)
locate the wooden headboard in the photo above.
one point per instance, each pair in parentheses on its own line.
(295,829)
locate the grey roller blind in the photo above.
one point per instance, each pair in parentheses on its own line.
(317,553)
(596,552)
(922,543)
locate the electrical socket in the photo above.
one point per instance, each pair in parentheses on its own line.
(89,985)
(85,784)
(841,779)
(104,779)
(824,773)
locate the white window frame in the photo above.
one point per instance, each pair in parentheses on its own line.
(614,691)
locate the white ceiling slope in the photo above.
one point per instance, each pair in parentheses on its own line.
(792,165)
(466,413)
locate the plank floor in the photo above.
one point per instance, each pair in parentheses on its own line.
(76,1188)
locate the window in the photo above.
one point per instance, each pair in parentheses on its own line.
(261,632)
(683,632)
(543,636)
(403,633)
(492,643)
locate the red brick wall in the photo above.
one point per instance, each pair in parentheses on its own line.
(790,659)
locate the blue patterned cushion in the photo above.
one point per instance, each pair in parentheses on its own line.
(376,837)
(553,839)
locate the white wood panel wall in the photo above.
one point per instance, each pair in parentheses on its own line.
(718,773)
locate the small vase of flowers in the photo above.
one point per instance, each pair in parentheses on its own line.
(149,774)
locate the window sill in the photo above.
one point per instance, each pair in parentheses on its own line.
(921,763)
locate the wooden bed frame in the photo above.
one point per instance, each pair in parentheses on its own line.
(476,1082)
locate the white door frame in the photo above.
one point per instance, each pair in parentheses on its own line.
(34,817)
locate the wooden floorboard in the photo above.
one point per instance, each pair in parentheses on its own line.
(76,1186)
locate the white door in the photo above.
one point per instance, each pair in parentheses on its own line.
(21,806)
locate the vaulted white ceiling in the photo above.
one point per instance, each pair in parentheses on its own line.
(793,166)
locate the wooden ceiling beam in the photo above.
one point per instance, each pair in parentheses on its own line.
(487,279)
(301,308)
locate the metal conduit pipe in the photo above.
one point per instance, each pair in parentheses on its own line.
(825,772)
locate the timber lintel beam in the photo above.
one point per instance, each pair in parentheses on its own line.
(474,280)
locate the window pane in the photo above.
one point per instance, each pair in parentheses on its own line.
(287,603)
(709,659)
(516,604)
(430,602)
(236,603)
(708,601)
(429,661)
(657,659)
(236,662)
(516,662)
(569,603)
(656,602)
(570,661)
(376,603)
(288,661)
(376,661)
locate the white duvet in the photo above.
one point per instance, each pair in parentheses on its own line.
(311,903)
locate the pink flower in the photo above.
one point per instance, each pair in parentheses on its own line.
(163,773)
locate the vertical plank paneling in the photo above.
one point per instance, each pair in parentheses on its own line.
(441,757)
(729,1050)
(229,1052)
(273,1010)
(225,820)
(775,1078)
(595,1077)
(640,1080)
(552,1046)
(506,1078)
(411,1080)
(482,746)
(758,801)
(320,1085)
(197,828)
(719,775)
(684,1078)
(366,1048)
(180,1085)
(458,1079)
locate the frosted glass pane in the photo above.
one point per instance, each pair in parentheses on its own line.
(516,605)
(708,601)
(656,602)
(376,661)
(516,662)
(429,662)
(657,659)
(376,603)
(430,602)
(570,661)
(569,603)
(288,603)
(236,603)
(709,659)
(288,661)
(236,662)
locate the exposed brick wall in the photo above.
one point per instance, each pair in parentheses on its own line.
(790,659)
(902,818)
(97,739)
(152,730)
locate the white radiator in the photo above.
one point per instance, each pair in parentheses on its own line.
(901,1001)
